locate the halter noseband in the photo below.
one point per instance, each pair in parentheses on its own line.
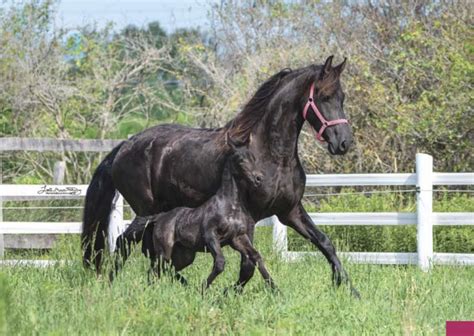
(324,122)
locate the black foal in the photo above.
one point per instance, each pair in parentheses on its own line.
(222,220)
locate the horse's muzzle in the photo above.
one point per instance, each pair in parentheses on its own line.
(339,147)
(339,139)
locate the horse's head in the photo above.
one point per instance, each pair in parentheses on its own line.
(323,108)
(313,92)
(243,162)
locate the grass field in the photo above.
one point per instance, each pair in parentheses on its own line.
(69,300)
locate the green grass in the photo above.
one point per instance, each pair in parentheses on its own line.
(395,299)
(69,300)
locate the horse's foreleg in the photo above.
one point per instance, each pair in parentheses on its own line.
(247,269)
(301,222)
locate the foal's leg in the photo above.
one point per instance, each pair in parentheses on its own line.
(219,262)
(299,220)
(245,247)
(181,257)
(247,267)
(161,261)
(162,247)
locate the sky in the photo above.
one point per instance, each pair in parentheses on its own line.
(171,14)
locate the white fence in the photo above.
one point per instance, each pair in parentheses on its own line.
(424,179)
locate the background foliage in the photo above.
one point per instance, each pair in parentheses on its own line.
(409,89)
(408,85)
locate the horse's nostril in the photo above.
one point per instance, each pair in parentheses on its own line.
(258,179)
(343,146)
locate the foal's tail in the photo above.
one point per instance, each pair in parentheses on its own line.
(98,205)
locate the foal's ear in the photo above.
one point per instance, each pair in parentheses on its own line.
(232,144)
(340,68)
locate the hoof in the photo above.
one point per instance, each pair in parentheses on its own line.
(236,289)
(111,276)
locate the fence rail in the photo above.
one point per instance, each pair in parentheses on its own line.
(57,145)
(424,180)
(396,179)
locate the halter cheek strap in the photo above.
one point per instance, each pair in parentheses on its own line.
(325,123)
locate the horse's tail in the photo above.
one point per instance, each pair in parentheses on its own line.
(98,205)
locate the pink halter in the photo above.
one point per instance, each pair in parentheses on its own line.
(324,122)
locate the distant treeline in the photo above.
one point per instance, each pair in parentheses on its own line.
(408,82)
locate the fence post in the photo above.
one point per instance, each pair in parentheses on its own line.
(59,172)
(424,209)
(280,239)
(116,224)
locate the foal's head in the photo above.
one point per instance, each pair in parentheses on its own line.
(243,163)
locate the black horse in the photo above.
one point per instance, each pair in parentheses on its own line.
(222,220)
(168,166)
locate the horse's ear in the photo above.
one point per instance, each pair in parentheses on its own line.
(327,67)
(340,68)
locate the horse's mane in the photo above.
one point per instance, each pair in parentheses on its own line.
(241,126)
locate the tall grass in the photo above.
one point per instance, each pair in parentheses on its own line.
(66,299)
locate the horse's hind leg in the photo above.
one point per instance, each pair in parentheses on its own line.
(181,258)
